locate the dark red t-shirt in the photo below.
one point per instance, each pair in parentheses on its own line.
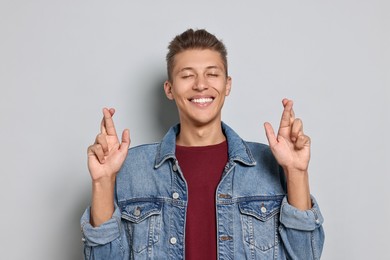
(202,167)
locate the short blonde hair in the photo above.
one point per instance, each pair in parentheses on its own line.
(194,39)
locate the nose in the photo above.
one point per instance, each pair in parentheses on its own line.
(200,83)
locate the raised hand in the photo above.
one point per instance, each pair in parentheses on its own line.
(106,155)
(105,158)
(291,148)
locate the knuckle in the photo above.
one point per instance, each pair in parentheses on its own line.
(95,149)
(298,121)
(99,148)
(90,148)
(304,138)
(100,138)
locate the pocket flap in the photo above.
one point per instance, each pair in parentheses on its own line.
(138,211)
(262,209)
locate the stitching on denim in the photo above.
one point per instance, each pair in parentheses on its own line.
(313,246)
(120,241)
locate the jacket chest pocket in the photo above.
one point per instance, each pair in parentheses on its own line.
(260,221)
(143,224)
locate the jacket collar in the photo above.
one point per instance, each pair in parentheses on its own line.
(238,150)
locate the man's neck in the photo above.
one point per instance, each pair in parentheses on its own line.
(204,135)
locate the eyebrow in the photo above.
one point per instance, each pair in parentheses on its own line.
(186,68)
(214,67)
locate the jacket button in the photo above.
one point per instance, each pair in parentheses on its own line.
(224,196)
(175,195)
(137,211)
(174,167)
(173,240)
(263,209)
(226,238)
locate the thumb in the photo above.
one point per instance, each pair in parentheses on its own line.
(269,132)
(124,146)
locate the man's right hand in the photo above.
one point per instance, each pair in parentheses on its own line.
(105,158)
(106,155)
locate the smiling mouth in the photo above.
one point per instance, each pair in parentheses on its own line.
(202,100)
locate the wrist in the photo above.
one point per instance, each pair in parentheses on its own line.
(104,182)
(102,200)
(298,189)
(295,171)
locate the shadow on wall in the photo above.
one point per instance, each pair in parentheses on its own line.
(165,111)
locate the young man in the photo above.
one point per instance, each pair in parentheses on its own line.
(202,192)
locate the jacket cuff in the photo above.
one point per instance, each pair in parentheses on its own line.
(305,220)
(103,234)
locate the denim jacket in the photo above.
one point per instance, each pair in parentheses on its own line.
(254,219)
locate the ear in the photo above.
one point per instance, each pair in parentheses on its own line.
(228,85)
(168,89)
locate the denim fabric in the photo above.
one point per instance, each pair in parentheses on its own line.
(254,219)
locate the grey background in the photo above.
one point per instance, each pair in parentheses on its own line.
(62,61)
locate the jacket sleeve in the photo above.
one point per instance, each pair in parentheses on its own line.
(108,241)
(301,231)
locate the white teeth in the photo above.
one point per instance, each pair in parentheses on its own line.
(201,100)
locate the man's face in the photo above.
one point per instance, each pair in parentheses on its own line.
(199,86)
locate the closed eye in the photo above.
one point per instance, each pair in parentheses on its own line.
(186,76)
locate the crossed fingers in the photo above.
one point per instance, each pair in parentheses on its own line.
(101,148)
(292,128)
(107,125)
